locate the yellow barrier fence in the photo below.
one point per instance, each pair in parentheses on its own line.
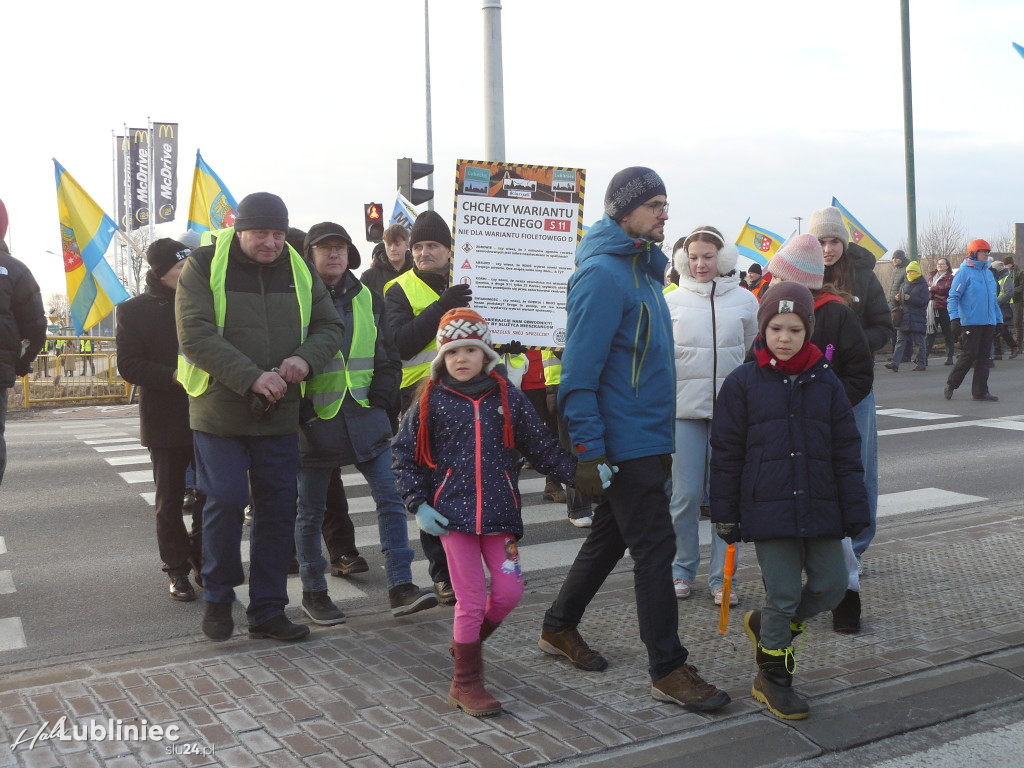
(64,374)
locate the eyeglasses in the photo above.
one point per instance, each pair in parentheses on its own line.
(327,249)
(656,208)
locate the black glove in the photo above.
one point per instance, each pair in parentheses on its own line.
(260,409)
(853,530)
(728,532)
(954,326)
(513,348)
(456,296)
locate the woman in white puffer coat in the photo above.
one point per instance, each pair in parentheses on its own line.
(714,322)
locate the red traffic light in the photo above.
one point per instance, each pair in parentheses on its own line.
(374,212)
(373,222)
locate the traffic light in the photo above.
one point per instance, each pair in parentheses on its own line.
(373,222)
(408,172)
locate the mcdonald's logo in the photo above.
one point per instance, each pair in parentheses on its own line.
(140,136)
(165,131)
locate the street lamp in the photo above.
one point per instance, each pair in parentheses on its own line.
(798,220)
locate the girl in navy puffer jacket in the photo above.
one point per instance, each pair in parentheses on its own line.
(455,460)
(786,474)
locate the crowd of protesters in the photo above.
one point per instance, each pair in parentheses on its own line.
(266,365)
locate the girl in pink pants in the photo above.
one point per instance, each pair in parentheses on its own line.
(456,464)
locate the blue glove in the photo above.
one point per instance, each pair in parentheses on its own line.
(430,520)
(606,472)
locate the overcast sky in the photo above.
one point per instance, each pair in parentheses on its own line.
(746,108)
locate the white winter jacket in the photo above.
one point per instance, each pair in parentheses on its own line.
(706,353)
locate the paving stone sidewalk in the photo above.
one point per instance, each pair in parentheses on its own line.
(937,590)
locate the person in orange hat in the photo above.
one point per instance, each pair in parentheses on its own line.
(455,460)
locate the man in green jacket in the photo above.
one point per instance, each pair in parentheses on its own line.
(254,322)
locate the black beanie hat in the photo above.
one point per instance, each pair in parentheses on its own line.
(429,226)
(326,229)
(163,254)
(755,268)
(784,296)
(629,189)
(261,210)
(899,255)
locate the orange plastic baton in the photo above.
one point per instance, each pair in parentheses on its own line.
(730,568)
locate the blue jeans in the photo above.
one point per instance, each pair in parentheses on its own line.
(867,425)
(689,489)
(225,468)
(392,522)
(906,343)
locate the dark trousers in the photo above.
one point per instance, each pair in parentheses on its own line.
(338,530)
(1018,318)
(178,547)
(437,560)
(975,343)
(633,514)
(574,500)
(1003,334)
(942,321)
(224,468)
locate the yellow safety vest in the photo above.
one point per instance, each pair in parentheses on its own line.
(87,346)
(552,368)
(328,389)
(420,296)
(669,288)
(194,379)
(1002,283)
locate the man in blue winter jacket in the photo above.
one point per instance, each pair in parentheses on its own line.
(973,314)
(617,394)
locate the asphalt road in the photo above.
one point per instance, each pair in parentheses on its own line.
(81,575)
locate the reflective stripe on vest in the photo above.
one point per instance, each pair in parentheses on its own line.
(669,288)
(194,379)
(552,368)
(328,389)
(1002,284)
(420,296)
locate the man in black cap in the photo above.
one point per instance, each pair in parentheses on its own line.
(147,356)
(346,421)
(415,302)
(254,321)
(617,394)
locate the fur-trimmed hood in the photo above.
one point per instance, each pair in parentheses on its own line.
(727,258)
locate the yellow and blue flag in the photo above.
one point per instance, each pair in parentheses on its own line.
(212,206)
(860,235)
(85,234)
(1019,49)
(757,243)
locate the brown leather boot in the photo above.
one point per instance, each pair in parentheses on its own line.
(487,628)
(467,691)
(570,644)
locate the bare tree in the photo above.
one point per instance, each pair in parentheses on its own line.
(945,236)
(129,261)
(1004,241)
(57,306)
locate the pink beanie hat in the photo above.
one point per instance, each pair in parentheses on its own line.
(799,260)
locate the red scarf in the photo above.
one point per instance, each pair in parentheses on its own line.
(807,356)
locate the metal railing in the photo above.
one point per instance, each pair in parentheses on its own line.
(62,376)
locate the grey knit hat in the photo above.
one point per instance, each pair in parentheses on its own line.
(261,210)
(629,189)
(828,222)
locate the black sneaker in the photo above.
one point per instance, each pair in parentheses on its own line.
(445,592)
(217,622)
(346,565)
(181,588)
(408,598)
(190,499)
(279,628)
(321,609)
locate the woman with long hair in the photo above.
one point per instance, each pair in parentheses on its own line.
(939,283)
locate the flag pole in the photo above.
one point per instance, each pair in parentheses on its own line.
(117,252)
(149,170)
(130,242)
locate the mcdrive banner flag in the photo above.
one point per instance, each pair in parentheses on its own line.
(121,150)
(138,165)
(860,235)
(85,234)
(164,183)
(757,243)
(212,206)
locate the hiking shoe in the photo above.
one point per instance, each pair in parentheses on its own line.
(846,615)
(752,626)
(683,686)
(988,396)
(582,518)
(408,598)
(568,643)
(346,565)
(893,367)
(682,588)
(719,592)
(947,392)
(1015,352)
(321,609)
(774,689)
(217,622)
(181,588)
(919,368)
(445,592)
(279,628)
(553,491)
